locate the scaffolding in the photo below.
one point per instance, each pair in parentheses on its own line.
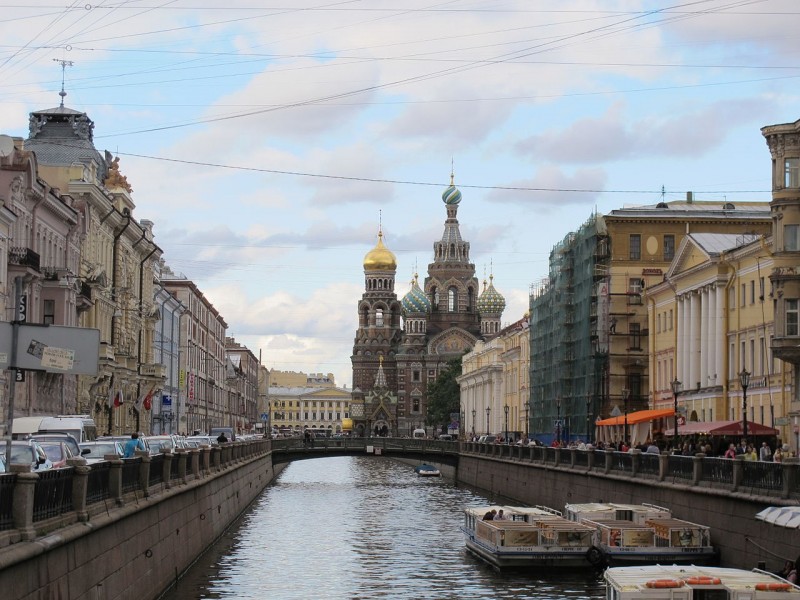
(569,336)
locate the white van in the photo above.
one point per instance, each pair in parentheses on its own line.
(22,427)
(418,434)
(81,427)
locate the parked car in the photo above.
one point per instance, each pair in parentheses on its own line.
(200,440)
(156,442)
(57,451)
(122,439)
(67,438)
(29,452)
(99,449)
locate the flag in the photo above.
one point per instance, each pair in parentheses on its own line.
(139,402)
(148,400)
(119,400)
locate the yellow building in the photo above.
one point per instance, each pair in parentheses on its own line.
(494,383)
(294,409)
(710,320)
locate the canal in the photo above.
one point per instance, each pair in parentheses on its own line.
(356,528)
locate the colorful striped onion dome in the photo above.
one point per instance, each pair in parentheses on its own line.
(491,302)
(415,301)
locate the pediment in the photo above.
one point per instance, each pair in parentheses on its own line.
(452,341)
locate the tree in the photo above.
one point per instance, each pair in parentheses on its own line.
(444,395)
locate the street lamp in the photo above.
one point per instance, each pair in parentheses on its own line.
(558,419)
(488,410)
(473,422)
(625,395)
(744,381)
(677,387)
(505,409)
(527,408)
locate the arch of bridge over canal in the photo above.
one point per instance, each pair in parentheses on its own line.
(442,454)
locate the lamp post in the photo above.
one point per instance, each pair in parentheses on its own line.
(488,410)
(527,432)
(677,387)
(625,395)
(558,419)
(744,381)
(473,422)
(505,409)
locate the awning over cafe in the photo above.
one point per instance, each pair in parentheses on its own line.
(734,428)
(640,416)
(639,425)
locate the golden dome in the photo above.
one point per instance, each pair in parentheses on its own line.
(380,258)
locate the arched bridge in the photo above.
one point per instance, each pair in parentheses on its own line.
(429,451)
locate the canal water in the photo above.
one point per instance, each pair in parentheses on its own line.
(355,528)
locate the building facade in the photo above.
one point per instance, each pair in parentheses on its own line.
(411,341)
(590,342)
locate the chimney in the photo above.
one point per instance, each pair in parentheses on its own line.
(689,197)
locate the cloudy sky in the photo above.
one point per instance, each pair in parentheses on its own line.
(269,139)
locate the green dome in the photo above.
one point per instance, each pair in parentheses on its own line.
(491,302)
(415,301)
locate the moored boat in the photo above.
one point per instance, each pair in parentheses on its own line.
(427,471)
(643,534)
(526,537)
(689,582)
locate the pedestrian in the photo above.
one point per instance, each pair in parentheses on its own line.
(765,452)
(730,452)
(489,516)
(132,445)
(778,455)
(750,453)
(792,576)
(500,516)
(222,438)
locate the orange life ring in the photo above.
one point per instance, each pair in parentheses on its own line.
(703,580)
(664,583)
(773,587)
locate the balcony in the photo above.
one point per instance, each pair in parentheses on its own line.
(24,257)
(156,371)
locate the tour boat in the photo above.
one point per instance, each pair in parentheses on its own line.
(526,537)
(427,471)
(688,582)
(642,534)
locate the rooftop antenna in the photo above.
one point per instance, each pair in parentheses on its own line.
(64,64)
(452,171)
(662,193)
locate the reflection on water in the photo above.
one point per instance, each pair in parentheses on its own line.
(357,528)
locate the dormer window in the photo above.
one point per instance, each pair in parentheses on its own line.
(792,173)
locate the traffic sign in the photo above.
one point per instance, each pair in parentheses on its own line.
(264,417)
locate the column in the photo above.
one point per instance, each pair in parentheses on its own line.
(679,353)
(721,343)
(704,338)
(694,342)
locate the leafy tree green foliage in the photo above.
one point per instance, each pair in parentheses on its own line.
(444,395)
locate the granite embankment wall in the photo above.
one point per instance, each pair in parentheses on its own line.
(743,540)
(135,545)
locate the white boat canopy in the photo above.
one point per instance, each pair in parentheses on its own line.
(784,516)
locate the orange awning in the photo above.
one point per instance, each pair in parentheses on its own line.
(640,416)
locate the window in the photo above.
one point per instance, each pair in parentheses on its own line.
(379,317)
(752,291)
(415,405)
(669,247)
(452,300)
(791,173)
(635,332)
(761,289)
(415,375)
(49,312)
(791,241)
(635,246)
(792,313)
(742,294)
(635,286)
(670,319)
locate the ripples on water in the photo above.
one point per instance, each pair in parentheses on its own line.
(354,528)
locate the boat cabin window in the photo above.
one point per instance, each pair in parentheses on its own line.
(713,595)
(624,515)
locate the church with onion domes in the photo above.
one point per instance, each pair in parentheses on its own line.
(402,345)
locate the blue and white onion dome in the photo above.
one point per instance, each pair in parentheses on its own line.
(491,302)
(415,301)
(451,195)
